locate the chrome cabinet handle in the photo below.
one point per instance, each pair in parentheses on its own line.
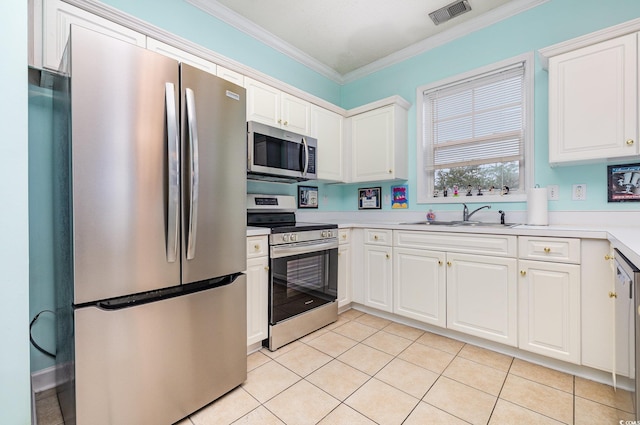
(195,173)
(173,175)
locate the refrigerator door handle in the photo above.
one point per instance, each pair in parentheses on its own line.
(306,156)
(173,201)
(195,173)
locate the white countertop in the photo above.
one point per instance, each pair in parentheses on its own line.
(257,231)
(625,238)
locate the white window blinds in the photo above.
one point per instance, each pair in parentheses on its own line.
(475,121)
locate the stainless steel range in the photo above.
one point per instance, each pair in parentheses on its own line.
(303,272)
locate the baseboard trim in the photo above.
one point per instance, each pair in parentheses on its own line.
(581,371)
(44,379)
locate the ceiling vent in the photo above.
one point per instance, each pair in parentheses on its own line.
(450,11)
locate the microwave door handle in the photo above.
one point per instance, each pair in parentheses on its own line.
(173,174)
(195,173)
(306,156)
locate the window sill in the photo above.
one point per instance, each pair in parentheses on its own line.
(484,199)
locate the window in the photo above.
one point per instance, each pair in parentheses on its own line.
(476,135)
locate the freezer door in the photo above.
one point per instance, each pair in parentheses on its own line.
(124,221)
(214,143)
(157,363)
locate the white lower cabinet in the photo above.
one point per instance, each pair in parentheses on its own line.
(549,309)
(608,313)
(257,289)
(419,285)
(482,296)
(378,275)
(344,268)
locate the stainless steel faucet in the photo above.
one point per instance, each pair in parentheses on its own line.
(466,215)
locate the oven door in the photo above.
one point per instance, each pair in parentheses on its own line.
(303,276)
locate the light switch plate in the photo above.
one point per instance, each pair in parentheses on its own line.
(579,192)
(553,192)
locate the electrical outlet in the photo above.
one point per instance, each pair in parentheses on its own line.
(553,192)
(579,192)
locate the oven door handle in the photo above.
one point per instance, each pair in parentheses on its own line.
(287,250)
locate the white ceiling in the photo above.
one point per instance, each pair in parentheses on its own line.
(345,39)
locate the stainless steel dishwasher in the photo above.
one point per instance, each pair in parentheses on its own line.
(627,274)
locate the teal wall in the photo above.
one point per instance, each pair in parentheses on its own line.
(547,24)
(14,249)
(41,224)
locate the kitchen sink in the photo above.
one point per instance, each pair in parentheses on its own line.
(434,223)
(483,224)
(458,223)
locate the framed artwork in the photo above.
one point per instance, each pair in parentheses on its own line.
(307,197)
(369,198)
(399,197)
(623,183)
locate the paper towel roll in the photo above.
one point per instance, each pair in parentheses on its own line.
(537,212)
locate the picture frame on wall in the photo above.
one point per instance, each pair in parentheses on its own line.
(369,198)
(307,197)
(623,183)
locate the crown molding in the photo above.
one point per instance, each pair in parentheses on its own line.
(588,39)
(248,27)
(487,19)
(232,18)
(114,15)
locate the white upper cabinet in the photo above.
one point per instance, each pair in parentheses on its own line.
(57,19)
(181,56)
(271,106)
(593,94)
(326,126)
(295,114)
(379,144)
(229,75)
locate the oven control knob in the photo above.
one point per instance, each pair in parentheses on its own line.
(285,238)
(294,238)
(324,234)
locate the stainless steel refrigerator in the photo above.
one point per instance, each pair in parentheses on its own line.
(151,230)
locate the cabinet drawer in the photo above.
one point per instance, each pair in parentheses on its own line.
(378,236)
(469,243)
(257,246)
(561,250)
(344,236)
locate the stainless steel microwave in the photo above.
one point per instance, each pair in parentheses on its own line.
(278,155)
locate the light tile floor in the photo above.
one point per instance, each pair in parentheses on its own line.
(367,370)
